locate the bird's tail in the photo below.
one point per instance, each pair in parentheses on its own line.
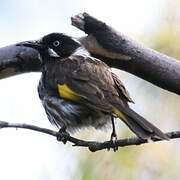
(140,126)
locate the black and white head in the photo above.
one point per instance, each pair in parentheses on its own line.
(54,45)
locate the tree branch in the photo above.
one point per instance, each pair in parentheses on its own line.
(119,51)
(16,60)
(92,145)
(103,42)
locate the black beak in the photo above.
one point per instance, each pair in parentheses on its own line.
(33,44)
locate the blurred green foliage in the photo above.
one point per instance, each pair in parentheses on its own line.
(155,160)
(166,38)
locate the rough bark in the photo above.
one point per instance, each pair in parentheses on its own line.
(114,48)
(119,51)
(16,60)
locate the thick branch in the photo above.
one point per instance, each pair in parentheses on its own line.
(114,48)
(17,60)
(92,145)
(121,52)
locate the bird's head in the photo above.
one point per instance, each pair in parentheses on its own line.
(54,45)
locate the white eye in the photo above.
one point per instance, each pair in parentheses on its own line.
(56,43)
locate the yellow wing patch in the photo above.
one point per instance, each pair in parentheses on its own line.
(119,114)
(67,93)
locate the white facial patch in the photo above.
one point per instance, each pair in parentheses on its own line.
(52,53)
(81,52)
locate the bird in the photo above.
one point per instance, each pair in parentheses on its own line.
(78,90)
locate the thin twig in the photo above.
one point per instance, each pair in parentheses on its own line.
(92,145)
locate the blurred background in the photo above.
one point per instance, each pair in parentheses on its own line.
(33,156)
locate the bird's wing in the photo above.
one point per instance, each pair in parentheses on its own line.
(91,82)
(121,89)
(88,80)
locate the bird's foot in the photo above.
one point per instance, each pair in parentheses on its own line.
(113,136)
(114,140)
(62,135)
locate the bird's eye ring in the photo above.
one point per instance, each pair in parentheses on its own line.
(56,43)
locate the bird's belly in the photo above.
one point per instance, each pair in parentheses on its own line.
(74,116)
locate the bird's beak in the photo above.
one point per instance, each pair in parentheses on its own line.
(38,45)
(33,44)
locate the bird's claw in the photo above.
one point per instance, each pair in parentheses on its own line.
(113,141)
(62,135)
